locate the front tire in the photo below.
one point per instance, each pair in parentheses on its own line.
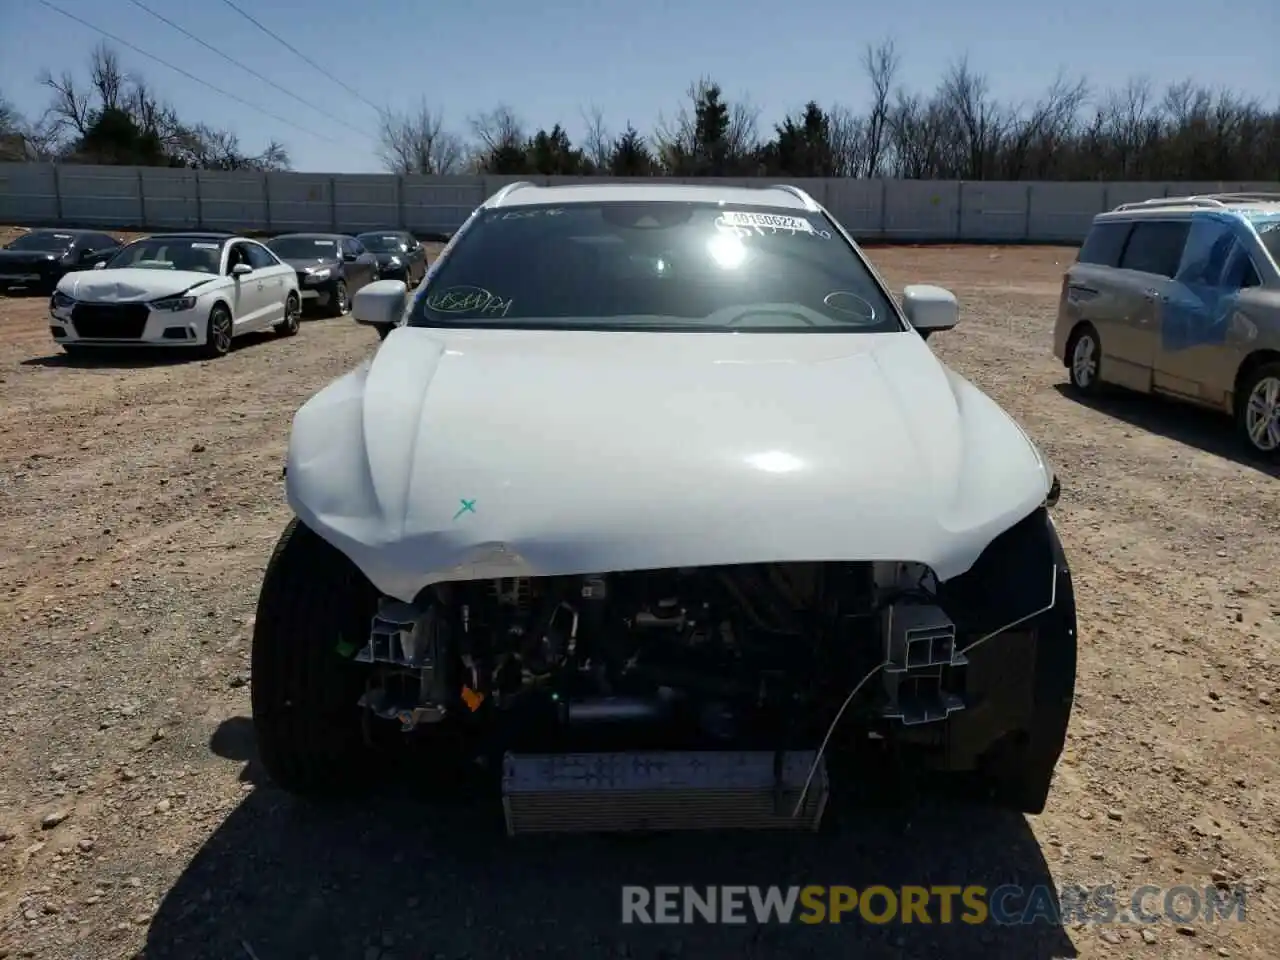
(314,608)
(292,317)
(1084,360)
(1258,411)
(218,332)
(339,303)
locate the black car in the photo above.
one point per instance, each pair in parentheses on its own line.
(400,255)
(40,258)
(331,267)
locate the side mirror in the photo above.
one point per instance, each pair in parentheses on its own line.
(100,265)
(87,255)
(349,258)
(930,309)
(241,270)
(380,304)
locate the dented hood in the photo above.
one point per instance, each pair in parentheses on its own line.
(130,285)
(461,455)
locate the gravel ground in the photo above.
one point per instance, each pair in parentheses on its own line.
(140,498)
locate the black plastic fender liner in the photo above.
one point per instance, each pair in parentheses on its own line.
(1024,679)
(1057,643)
(1011,579)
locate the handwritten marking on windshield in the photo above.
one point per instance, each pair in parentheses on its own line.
(468,506)
(469,299)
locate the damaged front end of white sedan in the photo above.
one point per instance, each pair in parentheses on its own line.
(655,502)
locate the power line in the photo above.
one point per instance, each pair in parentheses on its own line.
(290,47)
(190,76)
(236,63)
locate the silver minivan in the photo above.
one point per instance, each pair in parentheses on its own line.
(1180,296)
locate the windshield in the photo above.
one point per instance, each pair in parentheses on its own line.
(383,243)
(169,253)
(304,248)
(43,241)
(654,266)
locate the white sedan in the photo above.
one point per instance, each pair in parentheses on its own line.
(177,290)
(656,499)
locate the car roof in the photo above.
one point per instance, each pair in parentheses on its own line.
(190,235)
(63,231)
(311,236)
(1236,204)
(396,231)
(524,194)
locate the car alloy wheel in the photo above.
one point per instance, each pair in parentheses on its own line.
(340,298)
(220,331)
(1084,361)
(1262,415)
(292,317)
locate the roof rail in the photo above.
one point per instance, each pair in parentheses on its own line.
(1202,201)
(1217,200)
(1249,195)
(808,201)
(510,188)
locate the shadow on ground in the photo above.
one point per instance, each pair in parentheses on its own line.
(130,358)
(1193,426)
(404,877)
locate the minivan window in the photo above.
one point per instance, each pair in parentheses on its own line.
(1269,234)
(1104,244)
(1156,247)
(1205,254)
(1239,272)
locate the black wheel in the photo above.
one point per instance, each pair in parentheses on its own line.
(314,610)
(292,317)
(338,303)
(75,351)
(1020,770)
(383,332)
(1258,411)
(1084,359)
(218,332)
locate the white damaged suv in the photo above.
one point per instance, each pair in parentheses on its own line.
(656,501)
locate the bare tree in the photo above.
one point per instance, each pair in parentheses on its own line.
(881,63)
(210,149)
(498,128)
(977,120)
(78,110)
(1034,139)
(597,144)
(418,143)
(499,136)
(710,135)
(71,110)
(850,143)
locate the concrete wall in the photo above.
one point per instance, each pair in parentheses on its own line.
(888,210)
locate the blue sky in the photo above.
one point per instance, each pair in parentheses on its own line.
(632,59)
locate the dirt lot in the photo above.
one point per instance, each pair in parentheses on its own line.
(138,505)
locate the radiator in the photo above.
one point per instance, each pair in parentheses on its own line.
(665,791)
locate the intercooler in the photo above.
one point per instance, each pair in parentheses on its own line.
(665,791)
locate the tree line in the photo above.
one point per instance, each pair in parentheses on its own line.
(115,117)
(957,131)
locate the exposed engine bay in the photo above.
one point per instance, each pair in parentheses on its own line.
(709,697)
(702,656)
(718,685)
